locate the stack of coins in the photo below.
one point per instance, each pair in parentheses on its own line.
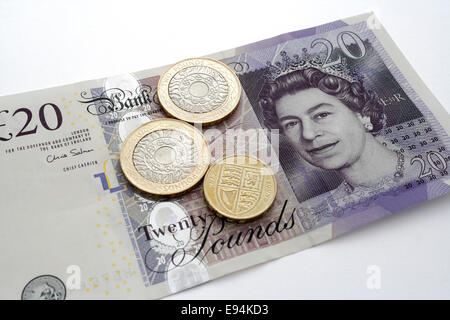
(166,157)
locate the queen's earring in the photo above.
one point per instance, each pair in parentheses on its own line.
(368,126)
(365,120)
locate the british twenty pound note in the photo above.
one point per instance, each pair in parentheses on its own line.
(347,126)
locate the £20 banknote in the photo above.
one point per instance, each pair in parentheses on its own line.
(351,132)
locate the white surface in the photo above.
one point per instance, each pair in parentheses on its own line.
(50,43)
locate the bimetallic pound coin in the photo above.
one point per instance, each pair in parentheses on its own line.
(165,157)
(240,187)
(199,90)
(46,287)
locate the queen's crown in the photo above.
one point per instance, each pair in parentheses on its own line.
(308,60)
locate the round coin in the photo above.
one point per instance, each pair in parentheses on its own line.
(199,90)
(240,187)
(165,157)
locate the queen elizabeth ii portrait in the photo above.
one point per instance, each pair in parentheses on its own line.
(331,120)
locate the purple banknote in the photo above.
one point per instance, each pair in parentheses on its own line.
(348,128)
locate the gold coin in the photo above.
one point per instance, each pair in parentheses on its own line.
(240,187)
(199,90)
(165,157)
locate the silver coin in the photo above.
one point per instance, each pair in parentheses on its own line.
(165,156)
(198,89)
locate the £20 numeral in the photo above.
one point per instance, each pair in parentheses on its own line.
(26,130)
(436,162)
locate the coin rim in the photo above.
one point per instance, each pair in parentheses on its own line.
(232,217)
(206,118)
(137,180)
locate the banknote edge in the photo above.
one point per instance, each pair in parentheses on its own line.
(306,241)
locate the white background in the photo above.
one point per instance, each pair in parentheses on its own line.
(50,43)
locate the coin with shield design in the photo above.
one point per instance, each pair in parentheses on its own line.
(240,187)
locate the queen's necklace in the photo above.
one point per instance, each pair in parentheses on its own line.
(399,169)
